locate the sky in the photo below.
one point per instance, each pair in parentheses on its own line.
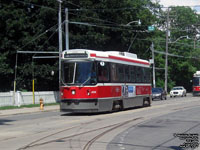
(195,4)
(180,2)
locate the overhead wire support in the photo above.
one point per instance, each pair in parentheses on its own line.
(38,52)
(44,57)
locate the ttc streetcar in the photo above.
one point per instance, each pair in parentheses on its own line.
(196,83)
(101,81)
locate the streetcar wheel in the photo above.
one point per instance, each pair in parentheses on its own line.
(146,102)
(117,105)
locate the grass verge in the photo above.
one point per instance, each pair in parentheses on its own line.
(25,106)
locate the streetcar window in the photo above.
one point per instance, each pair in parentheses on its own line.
(120,71)
(132,74)
(68,72)
(85,73)
(117,72)
(114,76)
(196,81)
(103,71)
(80,73)
(127,74)
(147,75)
(139,74)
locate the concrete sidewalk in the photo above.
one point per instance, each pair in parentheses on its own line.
(28,110)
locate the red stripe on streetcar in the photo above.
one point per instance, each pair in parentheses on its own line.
(93,55)
(120,58)
(129,60)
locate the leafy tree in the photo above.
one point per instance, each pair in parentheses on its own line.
(32,26)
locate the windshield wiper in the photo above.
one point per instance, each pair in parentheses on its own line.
(82,84)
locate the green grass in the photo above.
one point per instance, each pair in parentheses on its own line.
(25,106)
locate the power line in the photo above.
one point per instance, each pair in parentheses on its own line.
(27,3)
(104,9)
(173,55)
(108,27)
(37,37)
(95,18)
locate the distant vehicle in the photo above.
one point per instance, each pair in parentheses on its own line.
(178,91)
(196,84)
(159,93)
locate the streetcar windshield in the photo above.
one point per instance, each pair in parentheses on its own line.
(80,73)
(196,81)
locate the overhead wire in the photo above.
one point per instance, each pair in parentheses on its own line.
(37,37)
(23,2)
(108,27)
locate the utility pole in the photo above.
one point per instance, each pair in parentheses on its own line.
(154,78)
(15,79)
(60,40)
(166,53)
(66,29)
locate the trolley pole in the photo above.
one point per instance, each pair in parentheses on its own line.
(60,41)
(166,53)
(66,29)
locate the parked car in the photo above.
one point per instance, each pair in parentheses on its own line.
(159,93)
(178,91)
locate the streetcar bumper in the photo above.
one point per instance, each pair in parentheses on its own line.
(196,93)
(85,105)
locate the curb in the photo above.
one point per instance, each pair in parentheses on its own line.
(28,110)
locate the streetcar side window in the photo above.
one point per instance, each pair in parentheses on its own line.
(132,73)
(117,72)
(120,70)
(147,75)
(143,75)
(138,74)
(103,71)
(127,73)
(114,76)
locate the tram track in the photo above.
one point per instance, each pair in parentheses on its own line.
(88,144)
(50,135)
(95,131)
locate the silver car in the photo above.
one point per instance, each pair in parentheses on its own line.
(178,91)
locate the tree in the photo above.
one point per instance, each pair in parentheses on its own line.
(32,25)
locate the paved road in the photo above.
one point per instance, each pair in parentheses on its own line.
(141,128)
(159,133)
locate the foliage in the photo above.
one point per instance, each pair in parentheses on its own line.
(31,25)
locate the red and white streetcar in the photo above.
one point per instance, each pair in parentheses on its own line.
(100,81)
(196,83)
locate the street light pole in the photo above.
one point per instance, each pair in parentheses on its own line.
(154,77)
(166,55)
(60,36)
(66,29)
(60,42)
(15,79)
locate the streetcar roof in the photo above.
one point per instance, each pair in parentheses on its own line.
(103,56)
(197,73)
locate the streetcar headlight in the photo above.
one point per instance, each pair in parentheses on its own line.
(73,92)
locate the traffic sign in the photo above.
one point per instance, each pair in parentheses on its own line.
(151,28)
